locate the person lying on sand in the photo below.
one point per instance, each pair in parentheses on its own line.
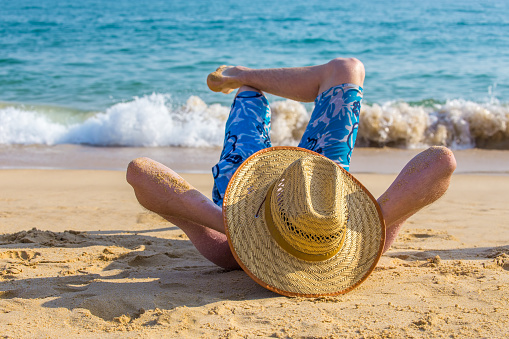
(293,217)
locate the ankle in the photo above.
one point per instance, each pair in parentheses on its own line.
(236,73)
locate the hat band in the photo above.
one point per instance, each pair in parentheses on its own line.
(284,244)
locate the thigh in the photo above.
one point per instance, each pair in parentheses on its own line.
(332,129)
(247,131)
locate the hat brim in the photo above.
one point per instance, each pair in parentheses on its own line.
(266,262)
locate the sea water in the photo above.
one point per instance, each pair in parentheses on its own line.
(132,73)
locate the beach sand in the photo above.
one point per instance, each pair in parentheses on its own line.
(80,258)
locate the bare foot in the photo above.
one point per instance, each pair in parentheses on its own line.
(221,80)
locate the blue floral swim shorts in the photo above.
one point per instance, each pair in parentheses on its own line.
(331,131)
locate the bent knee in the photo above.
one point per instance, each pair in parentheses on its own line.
(347,70)
(135,169)
(443,159)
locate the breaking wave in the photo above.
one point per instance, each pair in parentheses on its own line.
(154,121)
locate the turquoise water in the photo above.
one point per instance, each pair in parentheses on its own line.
(132,73)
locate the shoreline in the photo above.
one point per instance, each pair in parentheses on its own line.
(200,160)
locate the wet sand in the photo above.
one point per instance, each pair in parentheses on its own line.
(201,160)
(80,258)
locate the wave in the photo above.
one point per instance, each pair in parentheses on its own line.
(148,121)
(457,124)
(154,121)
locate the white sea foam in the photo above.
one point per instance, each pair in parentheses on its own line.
(154,120)
(457,124)
(19,126)
(146,121)
(289,120)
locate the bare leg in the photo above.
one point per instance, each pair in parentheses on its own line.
(300,83)
(161,190)
(211,244)
(422,181)
(164,192)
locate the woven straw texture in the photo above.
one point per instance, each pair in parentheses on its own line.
(267,262)
(304,207)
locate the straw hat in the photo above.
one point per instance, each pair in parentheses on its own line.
(300,225)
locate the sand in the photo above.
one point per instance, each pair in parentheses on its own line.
(80,258)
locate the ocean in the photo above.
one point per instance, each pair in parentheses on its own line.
(131,74)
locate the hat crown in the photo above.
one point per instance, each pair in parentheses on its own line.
(308,206)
